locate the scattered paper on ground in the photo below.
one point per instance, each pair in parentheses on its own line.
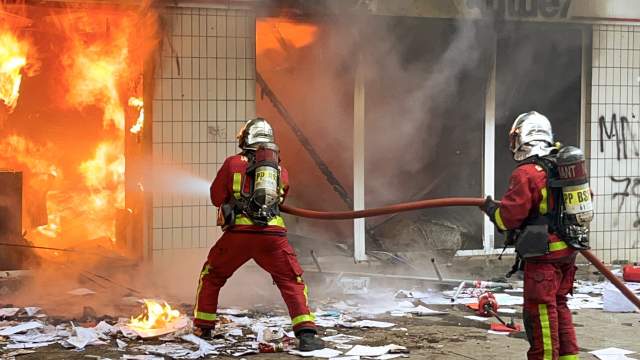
(81,292)
(361,350)
(370,324)
(341,338)
(612,353)
(8,312)
(20,328)
(323,353)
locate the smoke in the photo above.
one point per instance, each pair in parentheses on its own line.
(425,81)
(170,179)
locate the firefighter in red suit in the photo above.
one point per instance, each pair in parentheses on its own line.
(549,275)
(244,239)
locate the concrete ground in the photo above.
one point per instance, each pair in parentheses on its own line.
(444,337)
(448,336)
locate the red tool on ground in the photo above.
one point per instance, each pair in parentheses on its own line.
(445,202)
(488,306)
(631,273)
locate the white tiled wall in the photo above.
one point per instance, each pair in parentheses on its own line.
(205,91)
(615,160)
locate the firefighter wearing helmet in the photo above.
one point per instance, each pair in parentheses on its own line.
(248,189)
(545,213)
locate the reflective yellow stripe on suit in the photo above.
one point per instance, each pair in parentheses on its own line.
(544,203)
(568,357)
(499,221)
(199,314)
(237,185)
(303,318)
(545,328)
(557,246)
(243,220)
(205,316)
(306,289)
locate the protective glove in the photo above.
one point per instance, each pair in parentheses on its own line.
(489,206)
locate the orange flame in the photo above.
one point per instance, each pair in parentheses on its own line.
(13,58)
(97,69)
(103,52)
(93,74)
(155,316)
(283,34)
(139,105)
(104,177)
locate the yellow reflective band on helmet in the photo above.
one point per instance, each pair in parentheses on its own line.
(544,208)
(303,318)
(557,246)
(205,271)
(205,316)
(568,357)
(499,221)
(237,185)
(243,220)
(546,332)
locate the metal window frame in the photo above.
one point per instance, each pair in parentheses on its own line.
(359,231)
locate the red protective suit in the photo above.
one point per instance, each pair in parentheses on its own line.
(267,246)
(548,278)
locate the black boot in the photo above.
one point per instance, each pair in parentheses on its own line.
(309,342)
(203,332)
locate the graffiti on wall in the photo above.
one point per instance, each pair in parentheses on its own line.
(631,190)
(620,131)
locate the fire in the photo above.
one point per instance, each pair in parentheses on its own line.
(95,68)
(104,177)
(13,58)
(73,191)
(139,105)
(155,316)
(283,34)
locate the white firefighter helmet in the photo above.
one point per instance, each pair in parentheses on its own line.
(253,132)
(530,130)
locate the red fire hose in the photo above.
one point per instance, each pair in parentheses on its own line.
(444,202)
(391,209)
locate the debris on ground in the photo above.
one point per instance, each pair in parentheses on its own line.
(612,353)
(164,332)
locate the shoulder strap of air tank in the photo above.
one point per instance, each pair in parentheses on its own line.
(547,163)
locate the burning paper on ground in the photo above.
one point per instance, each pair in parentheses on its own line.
(157,319)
